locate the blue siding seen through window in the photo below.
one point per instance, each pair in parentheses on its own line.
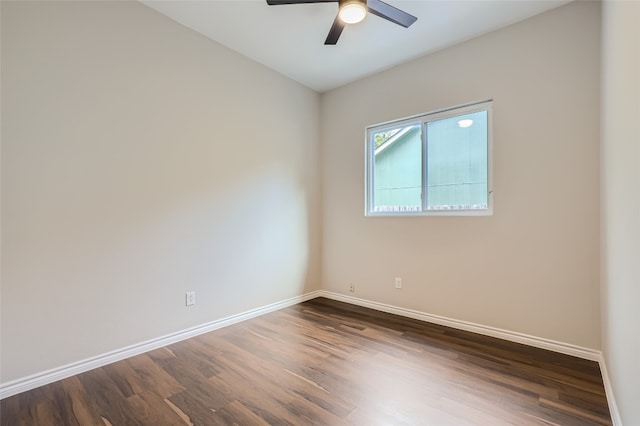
(398,171)
(457,163)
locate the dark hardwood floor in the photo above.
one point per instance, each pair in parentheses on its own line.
(330,363)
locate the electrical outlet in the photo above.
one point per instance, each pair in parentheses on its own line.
(190,298)
(352,287)
(398,282)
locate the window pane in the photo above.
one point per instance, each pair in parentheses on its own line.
(457,162)
(397,167)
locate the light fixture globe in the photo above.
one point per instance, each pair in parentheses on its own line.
(467,122)
(352,11)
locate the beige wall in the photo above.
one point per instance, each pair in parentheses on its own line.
(533,266)
(141,160)
(621,203)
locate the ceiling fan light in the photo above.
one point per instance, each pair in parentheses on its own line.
(352,12)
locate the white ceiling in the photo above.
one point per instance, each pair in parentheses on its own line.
(290,38)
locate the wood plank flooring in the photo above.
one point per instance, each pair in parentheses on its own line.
(327,363)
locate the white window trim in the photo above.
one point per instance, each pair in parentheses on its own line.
(423,119)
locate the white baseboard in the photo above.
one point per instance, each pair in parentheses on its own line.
(613,407)
(40,379)
(512,336)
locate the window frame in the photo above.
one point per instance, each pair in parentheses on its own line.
(423,120)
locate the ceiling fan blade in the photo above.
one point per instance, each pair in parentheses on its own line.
(390,13)
(335,31)
(279,2)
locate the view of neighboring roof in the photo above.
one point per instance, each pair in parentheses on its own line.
(393,136)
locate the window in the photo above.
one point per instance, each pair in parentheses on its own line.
(433,164)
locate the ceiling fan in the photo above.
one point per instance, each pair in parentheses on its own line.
(354,11)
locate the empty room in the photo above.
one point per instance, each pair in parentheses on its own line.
(353,212)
